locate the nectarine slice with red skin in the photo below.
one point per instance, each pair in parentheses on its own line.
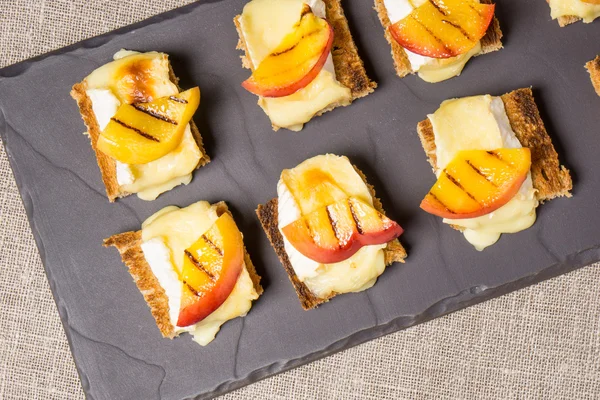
(211,268)
(443,28)
(292,67)
(336,232)
(478,182)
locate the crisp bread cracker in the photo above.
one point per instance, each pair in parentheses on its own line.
(107,165)
(349,67)
(129,246)
(267,214)
(490,42)
(550,179)
(593,68)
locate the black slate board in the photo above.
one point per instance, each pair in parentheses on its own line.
(119,352)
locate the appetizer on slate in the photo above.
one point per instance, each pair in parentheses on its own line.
(570,11)
(192,268)
(329,230)
(140,125)
(303,59)
(495,163)
(593,68)
(436,38)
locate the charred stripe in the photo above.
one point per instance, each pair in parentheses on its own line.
(487,178)
(153,114)
(136,130)
(178,100)
(191,288)
(355,218)
(197,264)
(211,244)
(457,184)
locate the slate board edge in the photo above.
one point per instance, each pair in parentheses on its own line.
(466,298)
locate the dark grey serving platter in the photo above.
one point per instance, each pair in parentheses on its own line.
(118,350)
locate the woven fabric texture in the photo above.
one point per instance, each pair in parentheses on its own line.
(539,343)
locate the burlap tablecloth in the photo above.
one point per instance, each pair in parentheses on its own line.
(542,342)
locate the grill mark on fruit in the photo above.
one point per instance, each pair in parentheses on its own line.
(441,202)
(437,39)
(487,178)
(136,130)
(191,288)
(461,187)
(197,264)
(154,114)
(459,28)
(355,218)
(437,7)
(309,34)
(476,10)
(211,244)
(498,156)
(178,100)
(333,225)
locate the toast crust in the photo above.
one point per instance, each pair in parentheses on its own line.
(550,179)
(349,67)
(106,164)
(593,68)
(490,42)
(267,214)
(129,245)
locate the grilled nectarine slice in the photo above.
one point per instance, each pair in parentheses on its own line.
(443,28)
(142,132)
(477,182)
(211,268)
(296,62)
(336,232)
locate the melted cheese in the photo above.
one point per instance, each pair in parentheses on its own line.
(481,123)
(358,272)
(264,24)
(165,235)
(586,11)
(131,77)
(430,69)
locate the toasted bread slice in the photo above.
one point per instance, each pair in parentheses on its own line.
(107,165)
(349,67)
(593,68)
(129,245)
(490,42)
(550,179)
(267,214)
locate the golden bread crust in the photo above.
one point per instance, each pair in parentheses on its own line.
(129,245)
(106,164)
(267,214)
(349,67)
(593,68)
(490,42)
(550,179)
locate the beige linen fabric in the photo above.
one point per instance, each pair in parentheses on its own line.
(539,343)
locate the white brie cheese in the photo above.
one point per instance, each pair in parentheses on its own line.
(481,123)
(586,11)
